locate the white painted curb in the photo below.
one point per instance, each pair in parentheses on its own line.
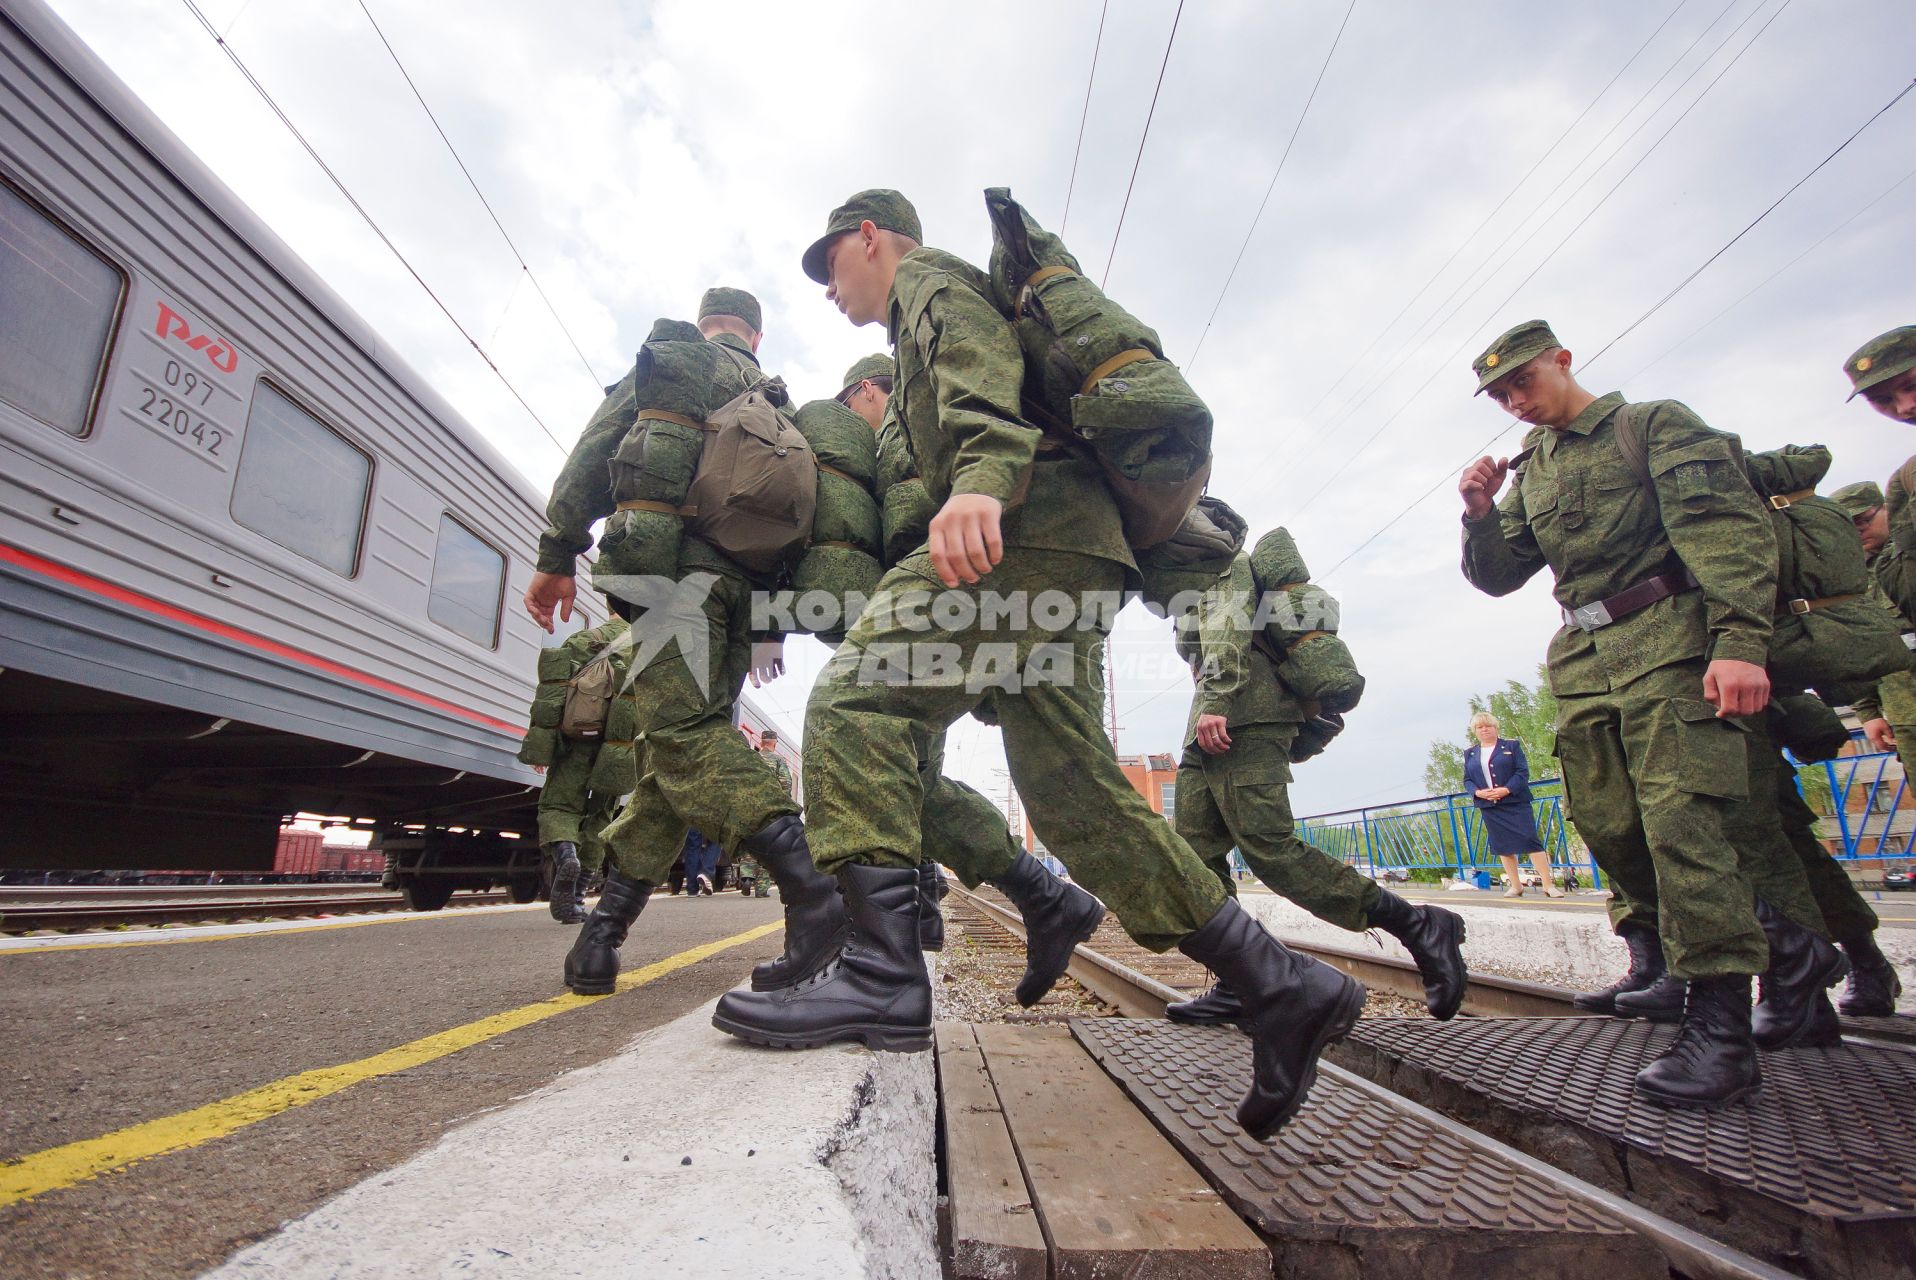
(813,1164)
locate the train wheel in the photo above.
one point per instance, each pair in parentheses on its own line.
(523,889)
(426,894)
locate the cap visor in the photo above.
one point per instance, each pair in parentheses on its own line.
(1881,374)
(814,259)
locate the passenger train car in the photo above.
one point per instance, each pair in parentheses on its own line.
(250,563)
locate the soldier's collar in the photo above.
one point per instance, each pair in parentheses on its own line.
(737,344)
(1599,409)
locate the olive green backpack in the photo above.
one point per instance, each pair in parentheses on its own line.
(1096,375)
(1297,623)
(1827,632)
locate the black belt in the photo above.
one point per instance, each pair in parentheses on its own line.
(1601,613)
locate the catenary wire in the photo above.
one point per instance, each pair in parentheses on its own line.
(1262,204)
(360,209)
(1509,195)
(1351,457)
(1142,139)
(472,182)
(1508,427)
(1084,118)
(1428,331)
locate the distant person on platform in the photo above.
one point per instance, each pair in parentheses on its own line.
(701,863)
(1498,777)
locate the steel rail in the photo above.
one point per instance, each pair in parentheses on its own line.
(1689,1252)
(17,919)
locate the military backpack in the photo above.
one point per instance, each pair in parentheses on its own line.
(588,697)
(1828,634)
(1096,376)
(1297,624)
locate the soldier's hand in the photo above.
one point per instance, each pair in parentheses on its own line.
(966,541)
(549,591)
(1481,481)
(768,661)
(1880,735)
(1737,688)
(1214,734)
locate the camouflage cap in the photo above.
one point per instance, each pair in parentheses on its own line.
(1859,499)
(770,735)
(885,209)
(1881,358)
(1525,342)
(873,366)
(722,301)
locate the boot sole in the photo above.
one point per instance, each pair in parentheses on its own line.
(825,958)
(881,1039)
(1186,1020)
(1335,1028)
(1699,1104)
(592,988)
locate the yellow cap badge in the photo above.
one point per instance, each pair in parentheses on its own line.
(1862,366)
(1490,361)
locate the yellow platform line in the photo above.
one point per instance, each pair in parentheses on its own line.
(76,1162)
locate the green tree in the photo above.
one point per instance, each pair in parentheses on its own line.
(1525,712)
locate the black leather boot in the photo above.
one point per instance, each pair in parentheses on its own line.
(815,920)
(1218,1005)
(1661,1001)
(875,990)
(1712,1061)
(1293,1008)
(1434,937)
(931,921)
(564,856)
(1873,985)
(1646,966)
(1802,966)
(592,966)
(1058,915)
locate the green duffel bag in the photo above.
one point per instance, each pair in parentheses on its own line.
(1096,373)
(541,747)
(842,441)
(1315,734)
(906,518)
(615,769)
(848,575)
(1319,668)
(1804,724)
(846,515)
(1290,605)
(1192,559)
(637,544)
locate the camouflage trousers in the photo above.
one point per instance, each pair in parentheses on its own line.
(908,670)
(570,810)
(1242,798)
(959,828)
(1650,775)
(695,768)
(1846,915)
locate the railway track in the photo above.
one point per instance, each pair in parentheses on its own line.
(1112,969)
(77,909)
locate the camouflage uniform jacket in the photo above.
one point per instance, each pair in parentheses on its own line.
(1893,698)
(1234,680)
(779,767)
(582,495)
(960,375)
(1577,505)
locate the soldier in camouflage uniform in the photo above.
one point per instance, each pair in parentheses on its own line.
(1026,525)
(1666,600)
(1233,791)
(697,770)
(572,813)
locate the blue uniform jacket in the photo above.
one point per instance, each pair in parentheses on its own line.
(1508,768)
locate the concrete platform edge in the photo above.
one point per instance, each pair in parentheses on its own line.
(816,1164)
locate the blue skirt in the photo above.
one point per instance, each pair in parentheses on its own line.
(1512,827)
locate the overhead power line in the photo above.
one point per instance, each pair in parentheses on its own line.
(1259,215)
(1142,138)
(597,381)
(1084,117)
(360,209)
(1684,283)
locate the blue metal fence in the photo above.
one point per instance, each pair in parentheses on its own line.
(1864,809)
(1440,832)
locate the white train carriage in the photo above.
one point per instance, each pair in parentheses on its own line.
(250,563)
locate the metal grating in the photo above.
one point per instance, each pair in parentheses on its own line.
(1345,1165)
(1830,1133)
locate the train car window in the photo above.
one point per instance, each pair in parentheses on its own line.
(60,299)
(468,583)
(300,483)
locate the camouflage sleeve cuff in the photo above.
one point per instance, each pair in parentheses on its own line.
(1740,648)
(555,559)
(992,479)
(1867,709)
(1212,706)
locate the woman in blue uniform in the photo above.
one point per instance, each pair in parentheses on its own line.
(1498,776)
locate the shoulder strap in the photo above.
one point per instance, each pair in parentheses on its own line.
(1630,444)
(1907,475)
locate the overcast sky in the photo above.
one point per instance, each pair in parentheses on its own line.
(637,153)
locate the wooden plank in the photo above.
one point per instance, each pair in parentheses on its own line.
(994,1230)
(1114,1197)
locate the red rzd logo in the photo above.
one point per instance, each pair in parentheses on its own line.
(218,350)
